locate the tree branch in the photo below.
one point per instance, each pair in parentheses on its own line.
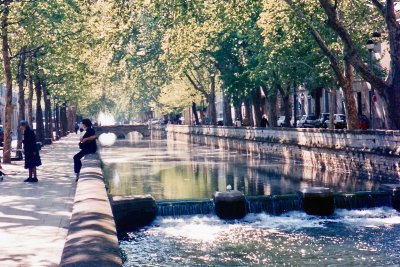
(380,7)
(350,49)
(196,86)
(333,62)
(24,51)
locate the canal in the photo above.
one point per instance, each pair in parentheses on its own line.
(175,170)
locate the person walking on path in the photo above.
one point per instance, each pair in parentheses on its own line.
(32,157)
(76,127)
(87,145)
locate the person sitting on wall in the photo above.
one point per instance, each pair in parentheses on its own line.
(87,145)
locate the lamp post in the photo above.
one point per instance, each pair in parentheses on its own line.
(370,47)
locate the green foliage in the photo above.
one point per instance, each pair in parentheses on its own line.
(129,56)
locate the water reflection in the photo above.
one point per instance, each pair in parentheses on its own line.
(177,170)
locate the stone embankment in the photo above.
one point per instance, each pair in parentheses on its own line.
(92,236)
(370,152)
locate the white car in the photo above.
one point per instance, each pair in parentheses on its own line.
(281,121)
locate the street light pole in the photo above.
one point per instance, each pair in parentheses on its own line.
(370,47)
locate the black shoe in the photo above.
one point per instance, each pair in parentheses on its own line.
(31,180)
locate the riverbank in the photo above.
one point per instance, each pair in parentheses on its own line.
(367,152)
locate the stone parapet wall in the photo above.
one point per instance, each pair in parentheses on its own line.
(339,151)
(339,139)
(92,236)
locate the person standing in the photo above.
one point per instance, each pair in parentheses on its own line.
(87,145)
(31,152)
(76,127)
(264,121)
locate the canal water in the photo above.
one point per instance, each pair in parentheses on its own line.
(176,171)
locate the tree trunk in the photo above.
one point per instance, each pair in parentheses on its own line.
(30,96)
(332,106)
(287,109)
(39,111)
(390,90)
(349,98)
(51,121)
(8,80)
(21,98)
(57,122)
(227,111)
(71,116)
(46,112)
(317,98)
(256,107)
(64,120)
(238,111)
(211,110)
(392,94)
(272,110)
(286,104)
(196,116)
(247,110)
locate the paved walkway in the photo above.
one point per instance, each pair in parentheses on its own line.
(34,218)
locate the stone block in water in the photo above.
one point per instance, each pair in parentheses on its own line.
(230,205)
(131,212)
(394,191)
(318,201)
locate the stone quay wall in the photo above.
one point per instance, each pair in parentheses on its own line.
(367,152)
(92,236)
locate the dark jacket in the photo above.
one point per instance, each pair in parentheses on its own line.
(89,146)
(32,157)
(29,141)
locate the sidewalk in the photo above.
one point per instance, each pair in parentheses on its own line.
(34,218)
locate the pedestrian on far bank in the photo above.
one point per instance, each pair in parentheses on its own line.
(264,121)
(76,127)
(31,152)
(87,145)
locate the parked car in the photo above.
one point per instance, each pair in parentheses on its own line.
(307,121)
(281,121)
(339,121)
(322,121)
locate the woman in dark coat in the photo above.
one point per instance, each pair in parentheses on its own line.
(32,157)
(87,145)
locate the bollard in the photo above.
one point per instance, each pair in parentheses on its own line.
(318,201)
(131,212)
(230,205)
(394,191)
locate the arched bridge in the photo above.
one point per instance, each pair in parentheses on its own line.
(121,131)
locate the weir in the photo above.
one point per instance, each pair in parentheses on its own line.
(185,207)
(275,204)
